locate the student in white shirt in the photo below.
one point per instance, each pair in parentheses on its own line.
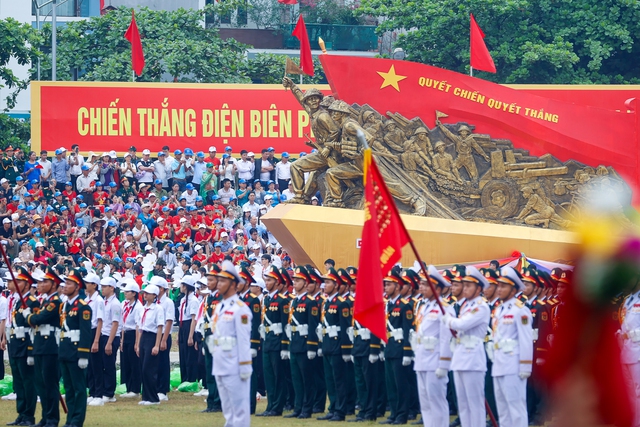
(188,311)
(129,360)
(95,374)
(164,362)
(110,337)
(149,335)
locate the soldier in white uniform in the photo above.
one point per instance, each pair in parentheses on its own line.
(230,347)
(630,335)
(469,362)
(432,351)
(513,351)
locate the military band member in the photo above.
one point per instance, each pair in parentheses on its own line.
(46,322)
(398,351)
(21,350)
(251,297)
(333,339)
(129,361)
(303,344)
(150,322)
(230,346)
(469,362)
(275,314)
(513,354)
(75,340)
(431,346)
(213,398)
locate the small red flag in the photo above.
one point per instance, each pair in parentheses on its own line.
(383,237)
(137,54)
(480,56)
(287,1)
(306,60)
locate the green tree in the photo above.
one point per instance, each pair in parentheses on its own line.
(268,68)
(544,41)
(17,41)
(14,132)
(174,43)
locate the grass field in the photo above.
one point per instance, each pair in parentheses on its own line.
(182,410)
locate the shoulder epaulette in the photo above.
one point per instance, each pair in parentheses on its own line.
(444,303)
(282,295)
(253,295)
(341,299)
(241,303)
(32,298)
(83,302)
(55,298)
(351,298)
(485,300)
(404,301)
(542,302)
(454,299)
(519,303)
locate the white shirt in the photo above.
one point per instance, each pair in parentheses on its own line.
(128,173)
(283,171)
(629,328)
(75,169)
(512,338)
(469,353)
(161,171)
(188,308)
(288,194)
(84,182)
(265,176)
(4,308)
(191,198)
(46,168)
(198,170)
(245,169)
(130,312)
(432,346)
(225,195)
(112,313)
(169,309)
(232,324)
(150,318)
(96,302)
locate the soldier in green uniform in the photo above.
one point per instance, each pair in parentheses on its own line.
(57,242)
(344,289)
(46,322)
(9,168)
(303,344)
(253,302)
(212,300)
(398,351)
(75,344)
(288,296)
(317,364)
(275,315)
(21,350)
(411,284)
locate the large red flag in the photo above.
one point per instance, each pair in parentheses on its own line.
(383,237)
(480,56)
(137,54)
(306,60)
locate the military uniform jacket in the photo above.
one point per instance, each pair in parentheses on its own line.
(364,342)
(469,353)
(630,329)
(20,340)
(275,315)
(432,342)
(336,319)
(46,324)
(209,308)
(75,337)
(253,302)
(512,339)
(303,320)
(399,326)
(540,311)
(231,337)
(10,169)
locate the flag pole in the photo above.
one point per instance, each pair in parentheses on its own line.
(471,71)
(363,141)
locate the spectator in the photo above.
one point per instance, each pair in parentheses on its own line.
(212,157)
(128,169)
(45,171)
(179,170)
(75,162)
(199,168)
(145,168)
(259,191)
(209,183)
(264,169)
(227,168)
(251,205)
(288,193)
(246,167)
(275,194)
(162,170)
(226,192)
(32,169)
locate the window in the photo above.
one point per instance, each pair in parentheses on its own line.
(65,8)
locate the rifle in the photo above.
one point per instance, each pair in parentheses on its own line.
(330,160)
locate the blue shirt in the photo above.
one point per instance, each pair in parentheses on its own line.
(181,174)
(59,169)
(35,173)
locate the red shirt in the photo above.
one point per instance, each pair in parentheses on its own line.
(201,258)
(69,194)
(202,237)
(237,259)
(181,236)
(163,233)
(100,197)
(196,220)
(216,258)
(37,194)
(175,221)
(220,208)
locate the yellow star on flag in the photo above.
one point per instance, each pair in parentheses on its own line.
(391,78)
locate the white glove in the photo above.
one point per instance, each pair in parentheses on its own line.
(524,375)
(319,352)
(373,358)
(539,361)
(245,376)
(26,312)
(406,361)
(311,355)
(30,361)
(446,319)
(352,359)
(381,356)
(284,355)
(83,363)
(441,373)
(254,353)
(210,343)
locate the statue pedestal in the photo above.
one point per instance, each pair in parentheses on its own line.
(311,234)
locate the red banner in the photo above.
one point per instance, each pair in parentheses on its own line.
(115,116)
(567,130)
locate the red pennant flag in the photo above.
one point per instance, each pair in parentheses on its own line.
(383,237)
(287,1)
(306,60)
(137,54)
(480,56)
